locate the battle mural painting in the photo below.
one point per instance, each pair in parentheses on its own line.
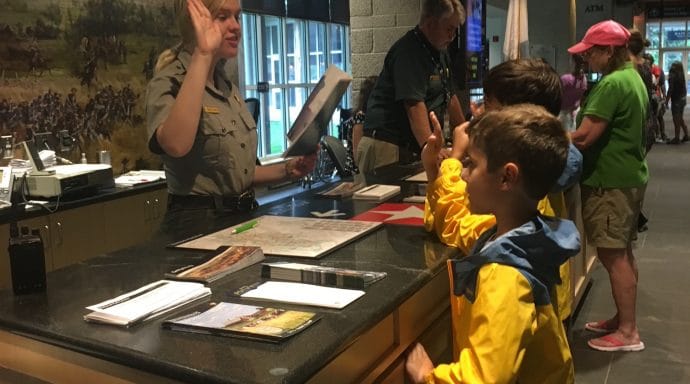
(73,75)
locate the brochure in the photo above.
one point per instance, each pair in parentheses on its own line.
(146,302)
(244,321)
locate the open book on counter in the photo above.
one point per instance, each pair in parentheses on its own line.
(244,321)
(147,302)
(230,260)
(320,275)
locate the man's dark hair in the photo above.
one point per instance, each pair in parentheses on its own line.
(524,81)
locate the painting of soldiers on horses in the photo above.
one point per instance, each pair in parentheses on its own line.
(80,68)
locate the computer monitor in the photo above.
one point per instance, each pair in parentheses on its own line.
(32,154)
(37,166)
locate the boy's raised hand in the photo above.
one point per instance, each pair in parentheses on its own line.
(432,149)
(460,141)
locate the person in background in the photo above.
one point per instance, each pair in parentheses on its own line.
(610,129)
(505,327)
(476,109)
(659,78)
(637,44)
(197,120)
(415,79)
(573,86)
(355,124)
(677,92)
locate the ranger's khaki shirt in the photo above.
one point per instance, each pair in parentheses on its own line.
(223,158)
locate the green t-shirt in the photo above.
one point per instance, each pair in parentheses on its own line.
(617,158)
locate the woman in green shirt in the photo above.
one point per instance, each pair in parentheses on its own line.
(610,134)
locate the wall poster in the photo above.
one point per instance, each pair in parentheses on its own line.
(78,69)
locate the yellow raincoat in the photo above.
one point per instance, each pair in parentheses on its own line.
(447,213)
(505,329)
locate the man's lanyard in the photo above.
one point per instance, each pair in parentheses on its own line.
(443,71)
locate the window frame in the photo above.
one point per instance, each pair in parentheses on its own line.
(286,88)
(661,51)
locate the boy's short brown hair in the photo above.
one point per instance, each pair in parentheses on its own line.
(527,135)
(524,81)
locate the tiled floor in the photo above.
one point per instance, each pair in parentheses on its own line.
(663,295)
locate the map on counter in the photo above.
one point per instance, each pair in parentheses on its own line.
(287,236)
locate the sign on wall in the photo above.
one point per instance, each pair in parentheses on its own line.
(590,12)
(661,11)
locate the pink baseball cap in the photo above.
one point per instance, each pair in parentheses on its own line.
(604,33)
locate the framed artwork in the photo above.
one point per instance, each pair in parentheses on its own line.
(73,75)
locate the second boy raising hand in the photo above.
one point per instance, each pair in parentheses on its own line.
(434,151)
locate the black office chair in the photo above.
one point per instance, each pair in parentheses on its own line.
(254,107)
(337,154)
(345,114)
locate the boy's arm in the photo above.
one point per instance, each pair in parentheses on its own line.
(432,149)
(447,213)
(496,329)
(418,365)
(460,141)
(447,207)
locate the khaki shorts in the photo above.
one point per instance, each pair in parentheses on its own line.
(610,215)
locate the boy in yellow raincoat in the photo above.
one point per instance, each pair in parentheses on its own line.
(446,208)
(505,328)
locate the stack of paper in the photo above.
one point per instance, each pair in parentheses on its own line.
(47,157)
(138,177)
(306,294)
(146,302)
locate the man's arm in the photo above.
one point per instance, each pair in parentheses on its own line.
(357,134)
(455,112)
(419,120)
(588,132)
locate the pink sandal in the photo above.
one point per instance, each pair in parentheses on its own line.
(601,326)
(610,343)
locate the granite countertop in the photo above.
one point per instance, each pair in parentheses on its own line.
(409,255)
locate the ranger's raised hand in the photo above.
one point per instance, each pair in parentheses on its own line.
(208,33)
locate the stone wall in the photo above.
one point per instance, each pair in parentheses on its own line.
(374,26)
